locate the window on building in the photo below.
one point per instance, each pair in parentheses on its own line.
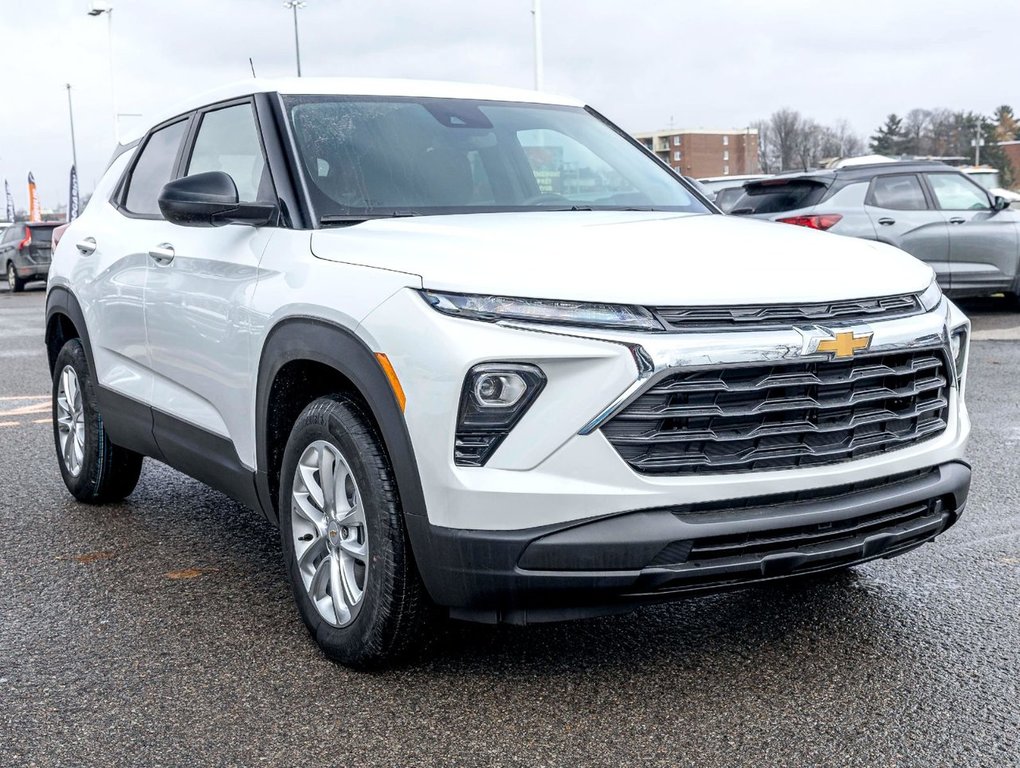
(725,141)
(676,157)
(676,141)
(726,170)
(726,155)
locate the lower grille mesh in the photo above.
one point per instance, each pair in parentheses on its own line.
(783,415)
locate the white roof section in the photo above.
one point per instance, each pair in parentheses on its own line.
(351,86)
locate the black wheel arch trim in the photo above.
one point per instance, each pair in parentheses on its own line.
(300,338)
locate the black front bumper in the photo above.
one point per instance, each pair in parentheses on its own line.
(613,563)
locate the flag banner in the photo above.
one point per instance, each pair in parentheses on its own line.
(33,200)
(73,202)
(10,201)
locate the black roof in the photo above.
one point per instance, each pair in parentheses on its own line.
(857,171)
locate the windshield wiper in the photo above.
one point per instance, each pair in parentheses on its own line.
(350,219)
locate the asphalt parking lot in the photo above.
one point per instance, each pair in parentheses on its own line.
(160,632)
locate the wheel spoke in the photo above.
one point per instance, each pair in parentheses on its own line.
(308,511)
(354,516)
(68,452)
(338,592)
(327,464)
(316,548)
(356,551)
(320,579)
(349,576)
(311,485)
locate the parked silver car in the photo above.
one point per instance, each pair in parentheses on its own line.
(931,210)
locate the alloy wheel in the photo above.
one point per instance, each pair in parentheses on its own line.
(71,420)
(330,533)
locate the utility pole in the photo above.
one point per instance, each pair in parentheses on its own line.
(295,6)
(536,16)
(977,142)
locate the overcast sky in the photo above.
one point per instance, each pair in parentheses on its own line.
(644,64)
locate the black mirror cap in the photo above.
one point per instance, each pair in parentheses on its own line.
(209,200)
(1000,203)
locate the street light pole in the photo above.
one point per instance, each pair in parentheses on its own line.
(70,113)
(98,8)
(295,5)
(536,17)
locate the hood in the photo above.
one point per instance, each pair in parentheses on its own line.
(627,257)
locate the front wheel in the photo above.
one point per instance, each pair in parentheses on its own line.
(344,543)
(94,469)
(15,283)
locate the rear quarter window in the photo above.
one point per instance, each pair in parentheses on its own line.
(778,197)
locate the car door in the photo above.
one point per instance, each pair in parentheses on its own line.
(903,215)
(984,250)
(111,265)
(197,298)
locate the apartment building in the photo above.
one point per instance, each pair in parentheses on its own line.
(699,153)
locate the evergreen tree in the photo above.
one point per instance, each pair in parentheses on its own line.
(890,138)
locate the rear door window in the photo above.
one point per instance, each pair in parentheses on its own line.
(897,193)
(778,196)
(154,168)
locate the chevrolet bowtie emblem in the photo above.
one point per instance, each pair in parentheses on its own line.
(844,344)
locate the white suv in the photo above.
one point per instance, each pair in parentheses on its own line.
(479,353)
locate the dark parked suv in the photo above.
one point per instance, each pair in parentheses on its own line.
(931,210)
(25,252)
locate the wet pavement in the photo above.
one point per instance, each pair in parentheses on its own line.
(160,632)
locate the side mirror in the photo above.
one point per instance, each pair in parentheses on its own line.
(210,200)
(1000,203)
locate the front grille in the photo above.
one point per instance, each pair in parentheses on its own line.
(783,415)
(764,316)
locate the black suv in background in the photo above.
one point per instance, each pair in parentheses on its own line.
(929,209)
(25,250)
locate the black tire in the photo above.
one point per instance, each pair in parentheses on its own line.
(394,613)
(108,472)
(15,283)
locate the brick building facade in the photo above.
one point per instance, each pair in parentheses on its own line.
(700,153)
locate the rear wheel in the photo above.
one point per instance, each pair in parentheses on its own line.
(94,470)
(15,283)
(346,550)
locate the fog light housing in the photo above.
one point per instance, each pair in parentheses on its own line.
(958,349)
(494,398)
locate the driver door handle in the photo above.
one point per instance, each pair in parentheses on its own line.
(87,246)
(957,220)
(885,221)
(163,254)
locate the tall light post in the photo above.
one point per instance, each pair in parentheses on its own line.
(70,114)
(99,8)
(295,6)
(536,17)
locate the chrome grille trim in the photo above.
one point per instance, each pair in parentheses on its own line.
(785,414)
(763,316)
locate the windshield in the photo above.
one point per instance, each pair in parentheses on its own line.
(987,179)
(405,156)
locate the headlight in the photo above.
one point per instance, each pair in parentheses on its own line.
(931,296)
(494,398)
(494,308)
